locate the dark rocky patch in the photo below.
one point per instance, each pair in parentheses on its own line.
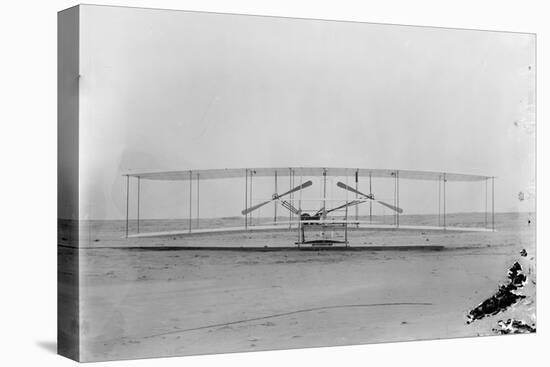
(504,298)
(511,326)
(516,276)
(523,253)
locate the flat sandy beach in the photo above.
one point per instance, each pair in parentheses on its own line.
(151,298)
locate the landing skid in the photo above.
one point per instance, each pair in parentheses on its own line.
(324,243)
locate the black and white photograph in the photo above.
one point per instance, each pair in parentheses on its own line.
(223,182)
(249,183)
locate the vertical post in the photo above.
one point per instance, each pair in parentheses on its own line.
(493,202)
(246,199)
(486,200)
(439,201)
(293,185)
(290,183)
(198,199)
(356,197)
(397,180)
(347,200)
(324,191)
(275,201)
(300,211)
(127,201)
(138,189)
(250,218)
(347,192)
(300,197)
(444,201)
(370,193)
(346,227)
(190,199)
(394,197)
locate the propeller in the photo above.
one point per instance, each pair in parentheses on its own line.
(371,197)
(277,197)
(324,211)
(351,203)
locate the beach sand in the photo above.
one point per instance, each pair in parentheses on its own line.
(140,300)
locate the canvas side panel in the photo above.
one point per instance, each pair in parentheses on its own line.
(68,327)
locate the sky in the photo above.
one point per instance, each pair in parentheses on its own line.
(174,90)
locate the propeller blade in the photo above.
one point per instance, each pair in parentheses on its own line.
(299,187)
(394,208)
(351,203)
(252,208)
(349,188)
(346,187)
(276,197)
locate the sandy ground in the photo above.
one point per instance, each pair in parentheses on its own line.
(162,302)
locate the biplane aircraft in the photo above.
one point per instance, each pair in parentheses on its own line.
(329,216)
(319,217)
